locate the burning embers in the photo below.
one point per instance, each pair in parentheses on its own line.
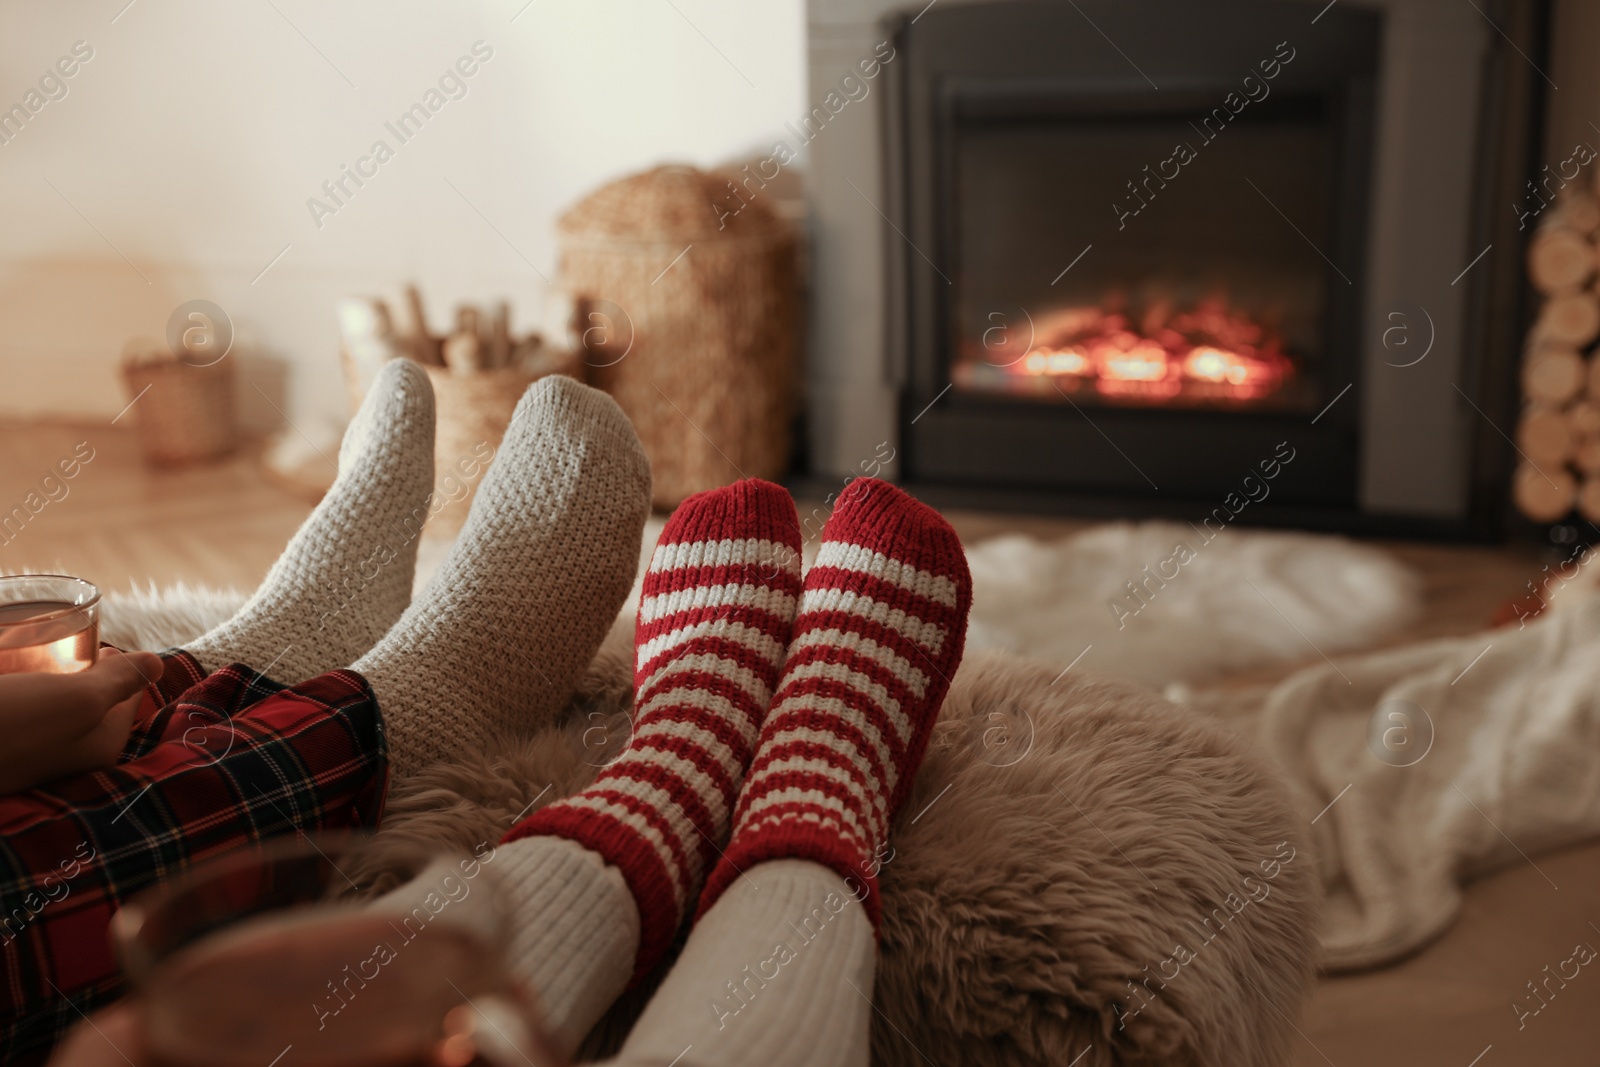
(1207,352)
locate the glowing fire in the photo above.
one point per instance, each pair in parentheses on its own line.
(1209,350)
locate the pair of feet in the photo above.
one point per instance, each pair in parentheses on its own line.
(775,717)
(516,611)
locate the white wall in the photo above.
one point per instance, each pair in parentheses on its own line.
(186,148)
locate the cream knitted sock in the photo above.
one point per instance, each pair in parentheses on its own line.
(572,926)
(346,575)
(574,931)
(519,607)
(778,973)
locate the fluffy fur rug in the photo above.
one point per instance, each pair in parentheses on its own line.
(1081,866)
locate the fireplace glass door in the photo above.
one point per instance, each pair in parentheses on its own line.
(1114,255)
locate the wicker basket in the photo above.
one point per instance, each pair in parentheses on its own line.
(695,317)
(471,414)
(185,414)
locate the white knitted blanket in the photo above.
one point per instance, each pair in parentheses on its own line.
(1427,765)
(1155,602)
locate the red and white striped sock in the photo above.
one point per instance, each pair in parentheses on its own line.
(718,603)
(882,623)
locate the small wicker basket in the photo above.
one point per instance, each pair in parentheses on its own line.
(184,413)
(688,301)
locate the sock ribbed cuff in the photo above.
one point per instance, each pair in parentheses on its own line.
(574,932)
(625,849)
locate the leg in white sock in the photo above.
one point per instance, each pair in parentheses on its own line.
(574,932)
(346,575)
(502,633)
(572,924)
(778,973)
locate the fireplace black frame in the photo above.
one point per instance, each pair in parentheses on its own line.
(993,451)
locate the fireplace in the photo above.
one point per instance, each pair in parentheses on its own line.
(1182,290)
(1132,248)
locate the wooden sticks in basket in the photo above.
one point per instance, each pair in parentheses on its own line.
(478,342)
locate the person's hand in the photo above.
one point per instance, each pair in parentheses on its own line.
(60,724)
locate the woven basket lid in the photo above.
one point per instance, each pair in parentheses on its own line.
(672,203)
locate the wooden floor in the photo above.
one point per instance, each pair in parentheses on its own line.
(121,524)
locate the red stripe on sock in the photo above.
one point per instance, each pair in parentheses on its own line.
(870,710)
(880,590)
(736,652)
(758,618)
(701,678)
(760,572)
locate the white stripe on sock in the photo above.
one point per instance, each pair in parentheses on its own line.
(751,683)
(865,647)
(834,742)
(736,632)
(774,808)
(927,634)
(846,556)
(843,675)
(763,597)
(775,554)
(693,780)
(705,701)
(877,808)
(838,710)
(699,737)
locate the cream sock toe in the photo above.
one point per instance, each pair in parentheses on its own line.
(346,575)
(518,609)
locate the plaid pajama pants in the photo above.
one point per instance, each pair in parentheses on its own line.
(214,764)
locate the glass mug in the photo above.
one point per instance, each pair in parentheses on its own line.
(48,622)
(249,960)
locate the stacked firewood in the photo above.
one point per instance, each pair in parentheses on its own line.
(1559,431)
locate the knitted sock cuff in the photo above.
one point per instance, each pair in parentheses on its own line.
(648,880)
(823,846)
